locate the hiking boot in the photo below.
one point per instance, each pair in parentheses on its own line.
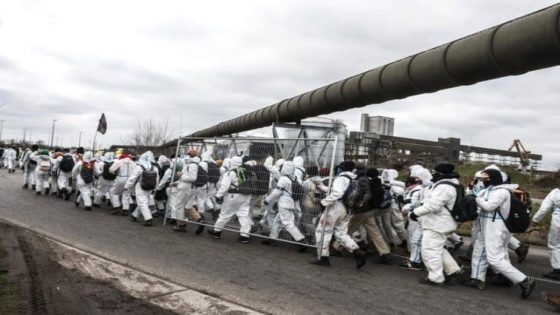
(77,204)
(335,253)
(475,283)
(125,212)
(551,299)
(427,281)
(66,196)
(87,208)
(362,245)
(324,261)
(410,265)
(360,257)
(180,228)
(133,218)
(216,235)
(243,239)
(386,259)
(270,243)
(116,211)
(555,274)
(522,252)
(149,223)
(302,248)
(47,191)
(403,244)
(38,193)
(527,287)
(25,186)
(458,273)
(33,187)
(96,205)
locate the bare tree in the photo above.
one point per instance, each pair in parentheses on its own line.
(150,133)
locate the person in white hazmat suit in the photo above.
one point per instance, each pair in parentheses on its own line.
(11,157)
(165,172)
(183,198)
(105,179)
(29,165)
(42,172)
(268,212)
(64,164)
(335,218)
(413,199)
(233,203)
(551,202)
(282,194)
(121,198)
(143,180)
(490,248)
(437,223)
(299,174)
(202,192)
(83,172)
(393,223)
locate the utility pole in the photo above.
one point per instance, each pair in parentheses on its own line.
(30,133)
(24,133)
(80,139)
(52,133)
(1,127)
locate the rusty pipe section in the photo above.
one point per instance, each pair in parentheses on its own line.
(525,44)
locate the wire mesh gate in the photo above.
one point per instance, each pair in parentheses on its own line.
(314,158)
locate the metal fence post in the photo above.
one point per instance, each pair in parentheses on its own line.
(326,212)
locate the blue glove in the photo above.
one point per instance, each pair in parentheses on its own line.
(412,216)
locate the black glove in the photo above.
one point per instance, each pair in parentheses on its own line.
(265,203)
(219,200)
(413,216)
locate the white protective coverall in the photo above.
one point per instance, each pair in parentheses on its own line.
(63,180)
(183,194)
(41,176)
(234,203)
(28,167)
(269,212)
(552,201)
(53,178)
(86,189)
(123,168)
(202,192)
(491,244)
(299,173)
(286,205)
(437,223)
(335,217)
(415,197)
(103,185)
(135,182)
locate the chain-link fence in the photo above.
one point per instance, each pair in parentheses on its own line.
(264,164)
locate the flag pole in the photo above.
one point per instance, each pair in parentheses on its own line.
(94,138)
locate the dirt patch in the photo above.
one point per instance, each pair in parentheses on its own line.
(36,284)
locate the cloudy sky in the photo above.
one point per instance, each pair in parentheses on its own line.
(202,62)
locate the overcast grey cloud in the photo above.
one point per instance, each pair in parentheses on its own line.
(200,63)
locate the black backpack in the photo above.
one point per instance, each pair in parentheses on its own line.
(106,174)
(201,177)
(387,200)
(261,181)
(67,163)
(213,173)
(86,173)
(148,181)
(356,194)
(519,214)
(297,189)
(464,208)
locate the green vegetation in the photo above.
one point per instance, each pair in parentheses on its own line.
(7,294)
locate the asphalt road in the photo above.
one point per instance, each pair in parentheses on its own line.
(276,280)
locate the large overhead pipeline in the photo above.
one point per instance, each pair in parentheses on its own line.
(527,43)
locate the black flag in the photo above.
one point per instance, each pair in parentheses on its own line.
(102,127)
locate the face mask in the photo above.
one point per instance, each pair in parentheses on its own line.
(486,183)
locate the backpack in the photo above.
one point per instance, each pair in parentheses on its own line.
(148,181)
(86,172)
(519,214)
(387,198)
(201,177)
(246,181)
(262,179)
(297,189)
(106,174)
(356,194)
(464,208)
(67,163)
(44,166)
(213,173)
